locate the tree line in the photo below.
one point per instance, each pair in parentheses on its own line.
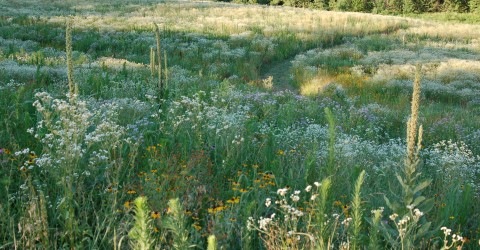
(380,6)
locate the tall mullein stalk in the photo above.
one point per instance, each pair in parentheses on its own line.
(152,62)
(357,213)
(331,142)
(166,69)
(159,61)
(72,88)
(409,179)
(414,145)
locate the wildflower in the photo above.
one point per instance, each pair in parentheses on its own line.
(268,202)
(417,212)
(243,190)
(233,219)
(263,223)
(131,191)
(294,197)
(155,230)
(255,166)
(308,188)
(393,216)
(337,203)
(282,191)
(127,204)
(155,215)
(313,197)
(280,152)
(234,200)
(197,226)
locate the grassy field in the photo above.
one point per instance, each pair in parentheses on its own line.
(263,128)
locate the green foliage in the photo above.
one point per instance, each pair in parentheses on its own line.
(226,139)
(176,224)
(140,234)
(474,6)
(357,214)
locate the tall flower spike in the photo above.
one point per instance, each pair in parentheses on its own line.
(413,120)
(68,44)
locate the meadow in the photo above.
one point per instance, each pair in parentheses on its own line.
(142,124)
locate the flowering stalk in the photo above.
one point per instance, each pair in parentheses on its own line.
(72,88)
(159,61)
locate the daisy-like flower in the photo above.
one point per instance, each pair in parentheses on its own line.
(268,202)
(282,191)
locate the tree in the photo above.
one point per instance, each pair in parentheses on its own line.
(475,6)
(456,5)
(361,5)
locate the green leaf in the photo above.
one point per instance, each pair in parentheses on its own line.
(418,200)
(422,186)
(400,179)
(427,205)
(392,206)
(423,229)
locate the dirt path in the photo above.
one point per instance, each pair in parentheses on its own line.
(280,72)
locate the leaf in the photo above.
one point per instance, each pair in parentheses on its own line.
(427,205)
(399,178)
(393,207)
(418,200)
(423,229)
(422,185)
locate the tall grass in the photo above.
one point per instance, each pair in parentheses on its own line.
(226,159)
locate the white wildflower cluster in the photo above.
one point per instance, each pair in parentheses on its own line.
(209,114)
(455,162)
(457,241)
(407,221)
(70,133)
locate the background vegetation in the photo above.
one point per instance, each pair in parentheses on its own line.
(240,127)
(380,6)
